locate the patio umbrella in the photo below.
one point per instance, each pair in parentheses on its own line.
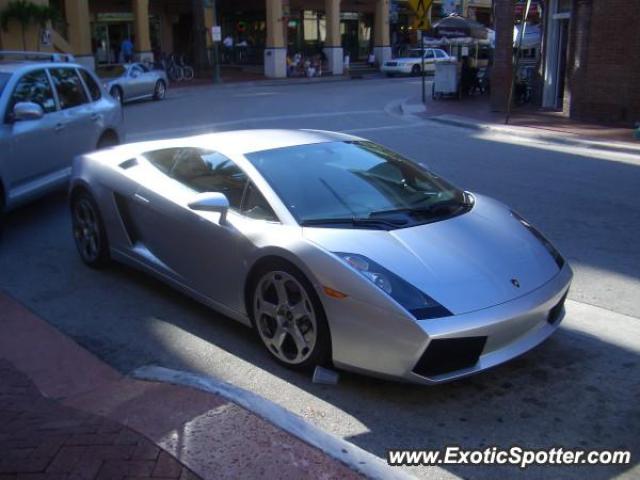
(455,26)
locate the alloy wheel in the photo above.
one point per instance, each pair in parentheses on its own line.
(285,318)
(86,230)
(160,90)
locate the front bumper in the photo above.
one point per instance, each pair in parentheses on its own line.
(399,68)
(439,350)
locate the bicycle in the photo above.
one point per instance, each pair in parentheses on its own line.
(174,71)
(187,71)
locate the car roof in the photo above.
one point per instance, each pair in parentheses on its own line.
(248,141)
(231,143)
(18,66)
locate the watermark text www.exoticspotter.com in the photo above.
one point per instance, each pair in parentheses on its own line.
(522,457)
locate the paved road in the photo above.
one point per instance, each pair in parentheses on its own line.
(580,389)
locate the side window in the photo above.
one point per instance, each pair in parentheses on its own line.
(92,85)
(440,54)
(33,87)
(428,54)
(202,171)
(256,206)
(136,70)
(69,87)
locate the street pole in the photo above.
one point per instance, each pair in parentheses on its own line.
(424,80)
(214,46)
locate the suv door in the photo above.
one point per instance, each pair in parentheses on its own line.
(34,146)
(80,132)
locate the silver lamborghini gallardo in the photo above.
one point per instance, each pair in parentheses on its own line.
(333,248)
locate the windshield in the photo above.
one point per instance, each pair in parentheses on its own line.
(4,78)
(356,184)
(110,71)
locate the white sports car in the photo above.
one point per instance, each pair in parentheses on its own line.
(333,248)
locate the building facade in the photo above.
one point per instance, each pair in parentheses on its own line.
(263,31)
(590,68)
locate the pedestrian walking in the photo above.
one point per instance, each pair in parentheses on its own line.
(126,50)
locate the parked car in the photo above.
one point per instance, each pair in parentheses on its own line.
(333,248)
(134,81)
(51,112)
(412,63)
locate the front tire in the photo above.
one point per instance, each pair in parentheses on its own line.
(288,317)
(416,70)
(89,232)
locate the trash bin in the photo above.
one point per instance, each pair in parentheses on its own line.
(446,81)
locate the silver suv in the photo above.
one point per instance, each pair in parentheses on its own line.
(49,113)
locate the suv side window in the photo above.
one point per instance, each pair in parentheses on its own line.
(203,171)
(256,206)
(92,85)
(69,87)
(33,87)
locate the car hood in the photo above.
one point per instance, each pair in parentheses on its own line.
(466,263)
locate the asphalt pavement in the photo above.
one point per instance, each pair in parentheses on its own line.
(580,389)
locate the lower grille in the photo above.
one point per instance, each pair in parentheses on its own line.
(449,354)
(555,312)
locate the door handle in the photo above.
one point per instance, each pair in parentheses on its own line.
(59,127)
(95,117)
(140,199)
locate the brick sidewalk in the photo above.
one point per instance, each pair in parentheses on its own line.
(64,414)
(476,108)
(41,439)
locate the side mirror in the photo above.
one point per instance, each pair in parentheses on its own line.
(27,111)
(211,202)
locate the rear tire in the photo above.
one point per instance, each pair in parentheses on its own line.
(188,73)
(288,317)
(159,90)
(89,231)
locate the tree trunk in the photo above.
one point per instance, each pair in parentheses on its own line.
(502,71)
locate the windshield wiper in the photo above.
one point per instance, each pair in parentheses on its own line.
(430,210)
(355,221)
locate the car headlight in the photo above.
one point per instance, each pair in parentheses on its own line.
(418,303)
(536,233)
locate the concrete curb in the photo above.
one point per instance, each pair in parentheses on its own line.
(354,457)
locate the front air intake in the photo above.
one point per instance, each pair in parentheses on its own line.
(448,355)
